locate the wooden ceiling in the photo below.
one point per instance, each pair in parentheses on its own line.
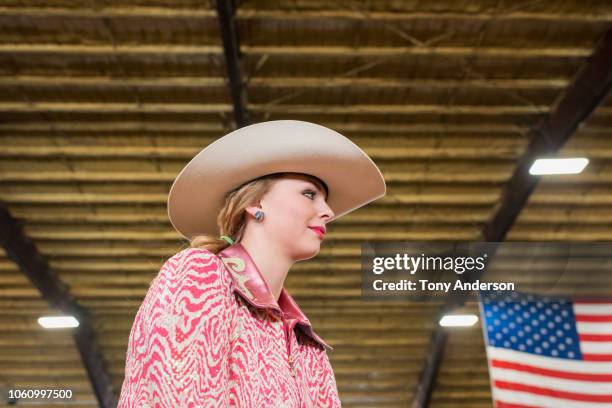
(101,104)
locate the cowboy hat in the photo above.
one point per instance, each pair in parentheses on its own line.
(198,192)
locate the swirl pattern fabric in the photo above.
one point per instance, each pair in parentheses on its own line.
(204,338)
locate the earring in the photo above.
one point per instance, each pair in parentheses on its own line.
(259,215)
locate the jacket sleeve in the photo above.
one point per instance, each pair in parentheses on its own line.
(328,389)
(178,349)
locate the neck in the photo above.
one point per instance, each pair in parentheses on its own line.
(269,261)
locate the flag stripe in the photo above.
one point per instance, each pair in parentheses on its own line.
(595,337)
(589,347)
(575,396)
(597,357)
(517,397)
(593,309)
(551,373)
(577,366)
(593,328)
(593,318)
(555,385)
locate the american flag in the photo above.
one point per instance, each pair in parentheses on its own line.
(548,352)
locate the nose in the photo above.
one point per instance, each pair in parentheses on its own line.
(326,211)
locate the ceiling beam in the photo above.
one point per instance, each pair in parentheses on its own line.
(534,215)
(492,153)
(445,196)
(469,151)
(303,51)
(281,82)
(216,108)
(175,127)
(588,90)
(226,12)
(172,12)
(22,250)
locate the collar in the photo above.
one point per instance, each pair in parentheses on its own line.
(250,285)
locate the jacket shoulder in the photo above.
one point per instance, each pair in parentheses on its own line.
(186,257)
(197,264)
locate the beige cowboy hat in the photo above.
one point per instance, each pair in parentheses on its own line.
(198,192)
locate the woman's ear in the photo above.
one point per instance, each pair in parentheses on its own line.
(253,209)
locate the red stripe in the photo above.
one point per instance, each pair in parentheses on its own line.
(593,302)
(501,404)
(575,396)
(594,318)
(596,337)
(551,373)
(597,357)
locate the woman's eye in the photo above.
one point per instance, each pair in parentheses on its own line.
(310,192)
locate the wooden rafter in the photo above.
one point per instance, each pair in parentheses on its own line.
(226,12)
(282,82)
(355,109)
(136,11)
(445,195)
(296,51)
(174,126)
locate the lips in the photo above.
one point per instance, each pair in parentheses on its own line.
(320,231)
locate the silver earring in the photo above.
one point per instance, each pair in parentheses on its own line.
(259,215)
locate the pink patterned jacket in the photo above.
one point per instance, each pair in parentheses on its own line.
(210,334)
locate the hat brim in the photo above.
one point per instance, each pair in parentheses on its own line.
(198,192)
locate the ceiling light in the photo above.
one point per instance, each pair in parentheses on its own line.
(58,322)
(572,165)
(458,320)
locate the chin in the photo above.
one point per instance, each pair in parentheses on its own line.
(308,253)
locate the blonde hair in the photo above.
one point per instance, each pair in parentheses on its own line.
(231,220)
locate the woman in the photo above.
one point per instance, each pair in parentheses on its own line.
(217,328)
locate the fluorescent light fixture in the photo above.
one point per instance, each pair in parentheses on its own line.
(58,322)
(572,165)
(458,320)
